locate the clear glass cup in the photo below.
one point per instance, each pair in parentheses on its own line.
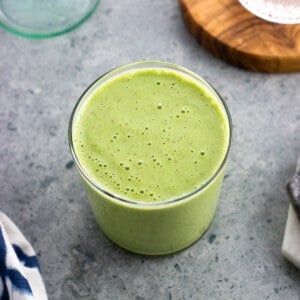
(44,18)
(152,228)
(277,11)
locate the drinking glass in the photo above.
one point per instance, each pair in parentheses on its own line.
(44,18)
(277,11)
(151,228)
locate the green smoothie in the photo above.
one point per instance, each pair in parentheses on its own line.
(150,141)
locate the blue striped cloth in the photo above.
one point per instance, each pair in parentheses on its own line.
(20,277)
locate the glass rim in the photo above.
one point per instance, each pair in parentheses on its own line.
(28,32)
(146,64)
(268,10)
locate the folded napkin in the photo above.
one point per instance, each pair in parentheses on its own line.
(20,277)
(291,240)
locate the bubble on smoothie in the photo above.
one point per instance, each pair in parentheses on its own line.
(159,106)
(202,153)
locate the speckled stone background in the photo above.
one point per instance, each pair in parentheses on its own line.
(238,257)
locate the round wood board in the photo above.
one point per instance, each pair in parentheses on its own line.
(232,33)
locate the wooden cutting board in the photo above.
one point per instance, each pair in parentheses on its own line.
(232,33)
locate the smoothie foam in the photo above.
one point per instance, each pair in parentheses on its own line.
(150,135)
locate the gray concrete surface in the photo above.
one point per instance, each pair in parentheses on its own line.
(238,257)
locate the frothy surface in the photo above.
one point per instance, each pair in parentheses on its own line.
(150,135)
